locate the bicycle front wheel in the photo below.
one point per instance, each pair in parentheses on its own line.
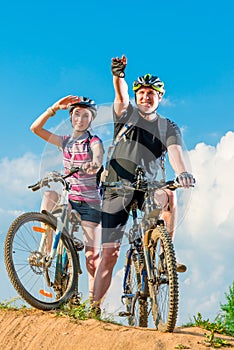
(43,285)
(136,304)
(164,289)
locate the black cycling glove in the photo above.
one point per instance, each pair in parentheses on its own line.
(185,179)
(117,68)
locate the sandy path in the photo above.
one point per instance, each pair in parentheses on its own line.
(33,329)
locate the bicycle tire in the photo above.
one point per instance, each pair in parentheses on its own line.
(164,289)
(139,310)
(29,277)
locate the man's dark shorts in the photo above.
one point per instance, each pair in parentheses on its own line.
(115,212)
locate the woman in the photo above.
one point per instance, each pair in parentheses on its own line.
(79,149)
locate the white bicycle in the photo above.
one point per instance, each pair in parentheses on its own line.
(41,253)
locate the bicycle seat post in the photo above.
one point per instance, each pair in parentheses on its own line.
(134,233)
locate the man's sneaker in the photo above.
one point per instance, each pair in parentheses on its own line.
(95,312)
(75,300)
(181,267)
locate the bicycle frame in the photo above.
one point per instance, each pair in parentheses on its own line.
(141,291)
(62,223)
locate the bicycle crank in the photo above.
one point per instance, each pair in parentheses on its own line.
(124,314)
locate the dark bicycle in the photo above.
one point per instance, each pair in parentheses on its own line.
(150,284)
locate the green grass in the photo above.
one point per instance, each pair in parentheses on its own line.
(181,346)
(217,326)
(223,323)
(83,312)
(227,316)
(12,304)
(79,312)
(214,327)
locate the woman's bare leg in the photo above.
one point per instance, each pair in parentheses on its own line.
(92,238)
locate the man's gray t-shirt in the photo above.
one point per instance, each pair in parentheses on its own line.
(143,145)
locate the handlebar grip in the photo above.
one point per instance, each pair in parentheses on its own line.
(35,187)
(73,170)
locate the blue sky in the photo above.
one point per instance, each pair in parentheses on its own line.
(52,49)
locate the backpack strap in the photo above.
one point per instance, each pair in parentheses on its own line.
(162,128)
(65,142)
(98,174)
(121,136)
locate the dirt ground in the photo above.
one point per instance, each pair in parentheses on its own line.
(32,329)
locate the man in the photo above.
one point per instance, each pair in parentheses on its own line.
(138,140)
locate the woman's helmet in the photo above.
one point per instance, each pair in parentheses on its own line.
(85,102)
(149,80)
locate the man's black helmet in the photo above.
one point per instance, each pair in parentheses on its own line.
(151,81)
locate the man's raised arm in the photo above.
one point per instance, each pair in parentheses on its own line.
(121,101)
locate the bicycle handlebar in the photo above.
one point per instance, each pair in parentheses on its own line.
(54,177)
(146,185)
(142,184)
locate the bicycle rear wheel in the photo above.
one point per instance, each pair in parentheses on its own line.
(164,289)
(136,304)
(44,286)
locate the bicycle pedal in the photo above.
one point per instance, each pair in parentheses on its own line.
(124,314)
(164,279)
(78,244)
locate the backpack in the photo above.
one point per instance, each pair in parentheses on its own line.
(98,174)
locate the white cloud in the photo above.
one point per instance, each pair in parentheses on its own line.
(166,102)
(104,114)
(205,238)
(213,168)
(16,175)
